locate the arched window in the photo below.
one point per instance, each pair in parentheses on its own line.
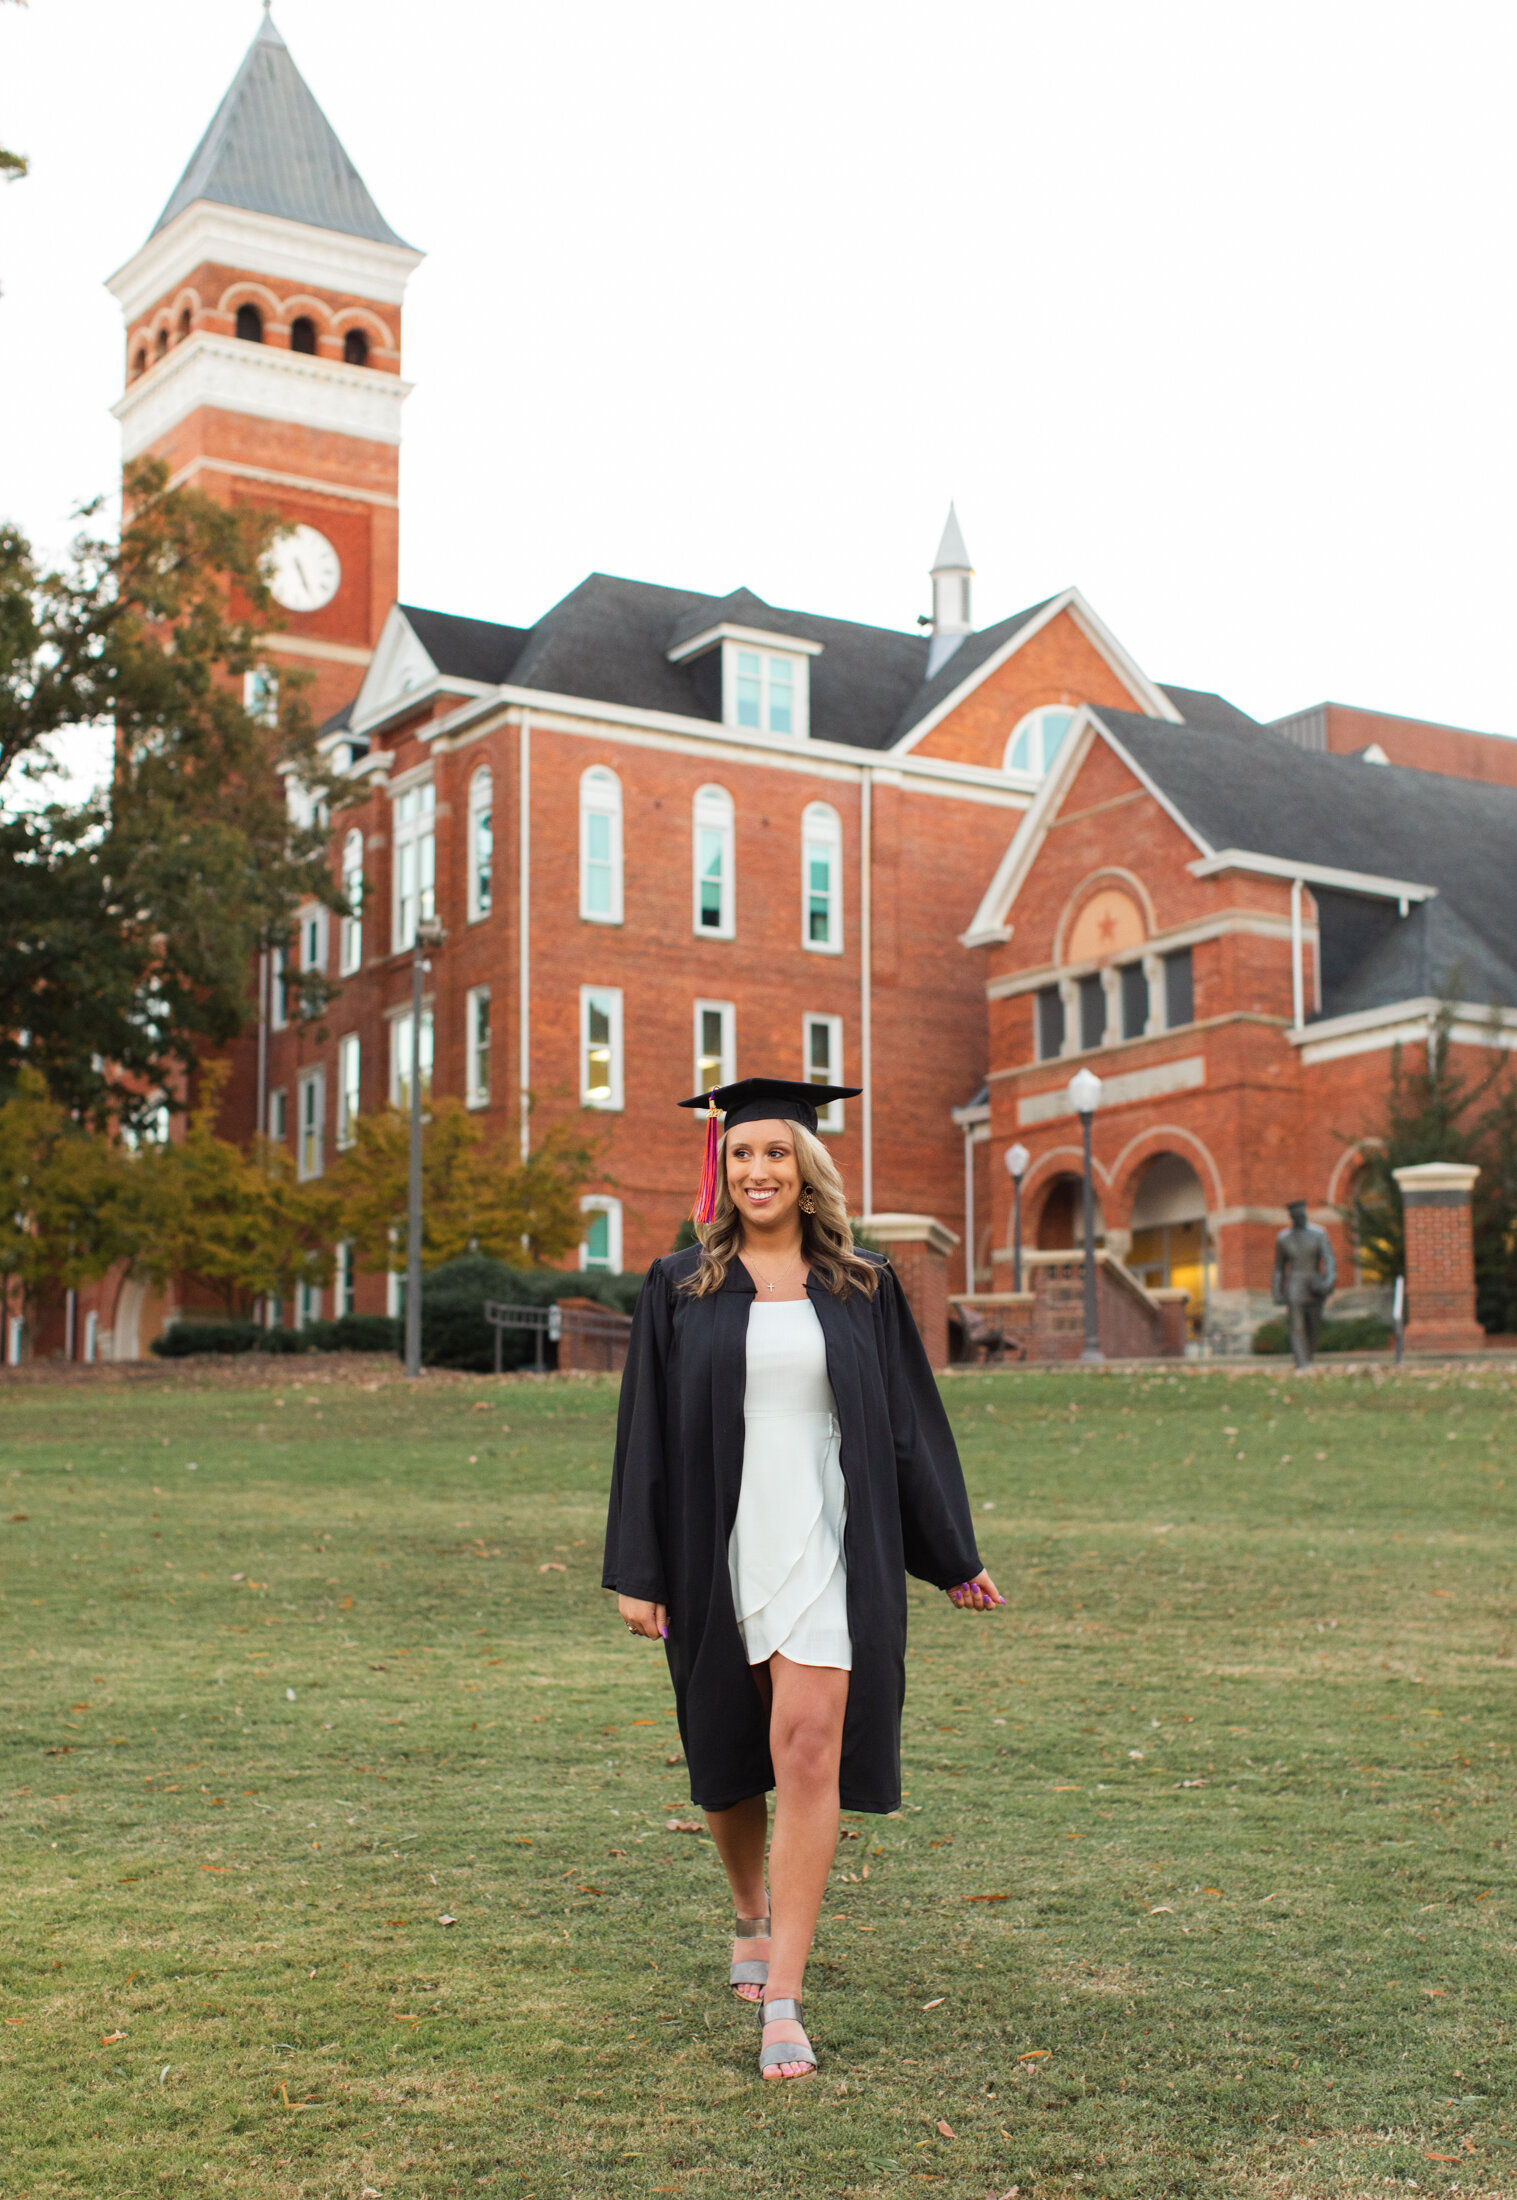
(481,843)
(713,883)
(184,324)
(162,345)
(352,894)
(822,879)
(250,324)
(303,333)
(600,846)
(139,363)
(1036,739)
(355,348)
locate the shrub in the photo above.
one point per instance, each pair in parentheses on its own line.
(355,1333)
(183,1339)
(1355,1333)
(454,1332)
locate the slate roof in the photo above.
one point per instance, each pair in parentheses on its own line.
(1200,707)
(1256,790)
(466,649)
(271,150)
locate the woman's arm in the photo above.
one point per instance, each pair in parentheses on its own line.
(936,1528)
(634,1561)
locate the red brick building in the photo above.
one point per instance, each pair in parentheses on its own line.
(677,838)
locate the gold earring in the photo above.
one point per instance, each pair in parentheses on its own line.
(808,1201)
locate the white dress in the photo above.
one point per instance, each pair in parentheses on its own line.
(785,1554)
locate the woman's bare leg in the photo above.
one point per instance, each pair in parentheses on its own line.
(806,1744)
(739,1836)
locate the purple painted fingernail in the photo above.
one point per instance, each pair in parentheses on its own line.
(664,1632)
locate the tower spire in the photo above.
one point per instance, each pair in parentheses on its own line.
(951,576)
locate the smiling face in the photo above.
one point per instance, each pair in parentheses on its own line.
(764,1176)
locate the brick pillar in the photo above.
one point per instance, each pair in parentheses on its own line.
(1440,1257)
(919,1247)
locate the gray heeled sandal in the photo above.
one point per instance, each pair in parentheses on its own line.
(752,1971)
(785,2009)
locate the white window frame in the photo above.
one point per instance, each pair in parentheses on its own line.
(481,897)
(307,1304)
(279,989)
(260,694)
(477,1086)
(608,997)
(349,1087)
(344,1280)
(727,1065)
(735,654)
(400,1057)
(829,1118)
(1034,724)
(600,1203)
(311,1125)
(600,795)
(822,830)
(413,840)
(714,813)
(91,1337)
(351,949)
(279,1115)
(313,936)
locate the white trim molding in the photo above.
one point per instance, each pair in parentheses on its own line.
(262,380)
(1188,1074)
(1403,1023)
(752,637)
(1311,874)
(208,234)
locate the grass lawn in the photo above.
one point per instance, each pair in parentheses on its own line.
(334,1808)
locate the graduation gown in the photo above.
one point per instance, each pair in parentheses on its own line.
(674,1494)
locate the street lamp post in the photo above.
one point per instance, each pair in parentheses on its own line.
(1085,1098)
(1017,1158)
(429,934)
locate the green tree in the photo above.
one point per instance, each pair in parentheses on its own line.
(478,1195)
(129,923)
(1434,1110)
(67,1198)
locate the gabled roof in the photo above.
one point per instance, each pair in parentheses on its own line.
(1429,953)
(271,150)
(1200,707)
(466,649)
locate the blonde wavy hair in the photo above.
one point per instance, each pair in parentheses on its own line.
(826,1234)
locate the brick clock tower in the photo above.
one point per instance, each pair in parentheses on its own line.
(263,357)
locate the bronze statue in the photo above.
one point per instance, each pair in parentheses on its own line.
(1305,1273)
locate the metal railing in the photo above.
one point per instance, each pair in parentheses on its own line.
(546,1321)
(602,1326)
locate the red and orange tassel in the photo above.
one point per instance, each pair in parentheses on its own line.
(704,1209)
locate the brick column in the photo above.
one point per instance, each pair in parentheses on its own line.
(919,1247)
(1440,1257)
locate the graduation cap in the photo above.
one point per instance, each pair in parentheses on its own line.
(757,1100)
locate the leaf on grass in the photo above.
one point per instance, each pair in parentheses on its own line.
(935,2004)
(946,2129)
(645,1722)
(215,1867)
(15,2020)
(108,2038)
(589,1890)
(1162,1909)
(987,1898)
(446,1920)
(395,1921)
(1434,1992)
(683,1825)
(1442,2157)
(552,1566)
(1036,2054)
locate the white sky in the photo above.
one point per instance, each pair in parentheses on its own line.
(1206,308)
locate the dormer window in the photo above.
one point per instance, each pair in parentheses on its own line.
(764,691)
(765,678)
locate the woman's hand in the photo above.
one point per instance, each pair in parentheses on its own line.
(979,1595)
(651,1620)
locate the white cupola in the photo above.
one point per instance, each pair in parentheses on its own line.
(951,576)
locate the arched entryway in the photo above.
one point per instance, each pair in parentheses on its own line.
(1061,1218)
(1169,1232)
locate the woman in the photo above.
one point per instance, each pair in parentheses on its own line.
(783,1460)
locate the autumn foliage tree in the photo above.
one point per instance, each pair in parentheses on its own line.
(68,1199)
(478,1194)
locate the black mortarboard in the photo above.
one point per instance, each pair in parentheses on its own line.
(767,1099)
(757,1100)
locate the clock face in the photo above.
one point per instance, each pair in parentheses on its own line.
(303,570)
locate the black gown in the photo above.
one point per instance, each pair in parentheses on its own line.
(674,1494)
